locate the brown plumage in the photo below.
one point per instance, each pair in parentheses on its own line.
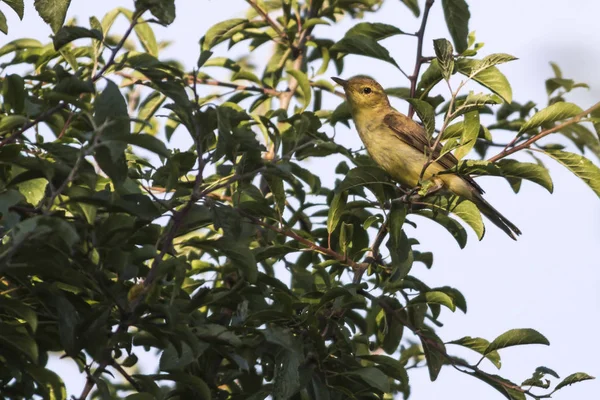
(399,145)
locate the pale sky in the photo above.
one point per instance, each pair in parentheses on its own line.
(547,280)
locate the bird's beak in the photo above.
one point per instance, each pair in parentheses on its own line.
(343,83)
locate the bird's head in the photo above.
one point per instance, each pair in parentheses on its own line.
(363,93)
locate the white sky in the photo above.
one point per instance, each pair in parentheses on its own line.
(548,280)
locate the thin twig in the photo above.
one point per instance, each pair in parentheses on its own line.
(40,118)
(311,245)
(419,59)
(113,54)
(125,375)
(265,16)
(535,138)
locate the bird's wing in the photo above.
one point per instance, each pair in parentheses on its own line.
(414,135)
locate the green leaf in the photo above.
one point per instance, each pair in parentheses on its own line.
(490,77)
(3,23)
(19,310)
(372,177)
(287,375)
(375,31)
(457,17)
(50,384)
(20,44)
(434,350)
(435,297)
(444,53)
(163,10)
(148,142)
(413,5)
(241,256)
(336,209)
(53,12)
(110,108)
(517,337)
(580,166)
(464,209)
(507,388)
(430,78)
(363,46)
(10,122)
(573,378)
(18,339)
(470,132)
(426,114)
(475,101)
(304,84)
(17,6)
(453,226)
(398,243)
(555,112)
(508,168)
(373,377)
(13,92)
(146,36)
(479,345)
(67,34)
(220,32)
(595,114)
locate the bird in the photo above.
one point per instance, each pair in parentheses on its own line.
(399,145)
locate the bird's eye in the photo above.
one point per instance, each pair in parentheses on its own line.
(367,90)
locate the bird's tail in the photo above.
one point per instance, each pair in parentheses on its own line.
(498,219)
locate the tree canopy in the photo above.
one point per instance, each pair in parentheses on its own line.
(230,258)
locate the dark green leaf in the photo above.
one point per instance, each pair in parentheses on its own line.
(363,46)
(13,92)
(470,133)
(336,209)
(67,34)
(457,17)
(413,6)
(220,32)
(580,166)
(375,31)
(479,345)
(373,377)
(304,84)
(17,6)
(490,77)
(445,56)
(426,114)
(53,12)
(517,337)
(555,112)
(573,378)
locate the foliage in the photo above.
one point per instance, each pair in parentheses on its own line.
(113,241)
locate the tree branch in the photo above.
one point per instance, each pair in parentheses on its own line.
(472,370)
(535,138)
(311,245)
(419,58)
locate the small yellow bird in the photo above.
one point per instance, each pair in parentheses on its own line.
(399,145)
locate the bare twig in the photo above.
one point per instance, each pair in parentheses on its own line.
(311,245)
(117,48)
(419,59)
(40,118)
(535,138)
(236,86)
(125,375)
